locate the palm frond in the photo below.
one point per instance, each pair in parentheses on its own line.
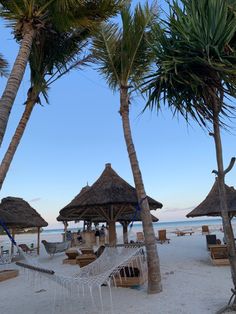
(123,54)
(3,66)
(56,54)
(194,56)
(106,52)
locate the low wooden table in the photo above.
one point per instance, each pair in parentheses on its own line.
(85,259)
(86,250)
(69,261)
(72,253)
(8,273)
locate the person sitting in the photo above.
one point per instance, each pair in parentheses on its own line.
(68,236)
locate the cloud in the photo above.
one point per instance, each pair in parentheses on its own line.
(178,209)
(36,199)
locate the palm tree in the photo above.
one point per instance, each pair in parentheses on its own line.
(3,66)
(51,58)
(195,76)
(31,19)
(124,58)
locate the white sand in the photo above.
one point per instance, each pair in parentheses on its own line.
(191,285)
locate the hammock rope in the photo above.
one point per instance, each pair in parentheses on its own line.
(138,209)
(95,274)
(2,223)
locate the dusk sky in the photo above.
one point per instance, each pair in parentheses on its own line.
(68,142)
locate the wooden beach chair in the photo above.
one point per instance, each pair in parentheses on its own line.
(205,229)
(162,236)
(180,233)
(27,249)
(140,237)
(219,255)
(132,275)
(210,240)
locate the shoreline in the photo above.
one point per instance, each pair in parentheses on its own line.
(55,235)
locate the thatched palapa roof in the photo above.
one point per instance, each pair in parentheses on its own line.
(16,212)
(68,216)
(137,217)
(109,197)
(211,205)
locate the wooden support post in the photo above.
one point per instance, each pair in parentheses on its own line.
(65,223)
(112,232)
(125,231)
(38,241)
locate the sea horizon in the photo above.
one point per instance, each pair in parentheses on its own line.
(156,225)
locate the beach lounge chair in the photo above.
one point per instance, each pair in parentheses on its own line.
(210,240)
(180,233)
(55,247)
(205,229)
(27,249)
(162,236)
(132,275)
(140,237)
(219,255)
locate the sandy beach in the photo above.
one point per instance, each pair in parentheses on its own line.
(191,284)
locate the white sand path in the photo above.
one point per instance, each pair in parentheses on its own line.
(191,285)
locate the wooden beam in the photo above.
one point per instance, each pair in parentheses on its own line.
(119,212)
(102,212)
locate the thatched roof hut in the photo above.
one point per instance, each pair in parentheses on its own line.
(108,191)
(211,204)
(69,216)
(110,197)
(129,218)
(17,213)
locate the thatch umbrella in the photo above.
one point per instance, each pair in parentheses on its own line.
(109,197)
(68,217)
(17,213)
(211,204)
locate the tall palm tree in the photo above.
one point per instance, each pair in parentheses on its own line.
(52,57)
(195,76)
(124,58)
(3,66)
(30,19)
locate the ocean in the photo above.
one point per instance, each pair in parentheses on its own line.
(186,224)
(55,235)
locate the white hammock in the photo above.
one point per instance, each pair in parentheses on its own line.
(90,278)
(101,271)
(55,247)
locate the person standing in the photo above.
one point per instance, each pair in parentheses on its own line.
(97,236)
(106,235)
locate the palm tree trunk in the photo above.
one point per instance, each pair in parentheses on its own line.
(8,157)
(14,80)
(154,274)
(228,231)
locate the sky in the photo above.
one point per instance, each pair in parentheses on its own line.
(68,142)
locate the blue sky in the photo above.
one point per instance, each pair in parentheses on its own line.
(68,142)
